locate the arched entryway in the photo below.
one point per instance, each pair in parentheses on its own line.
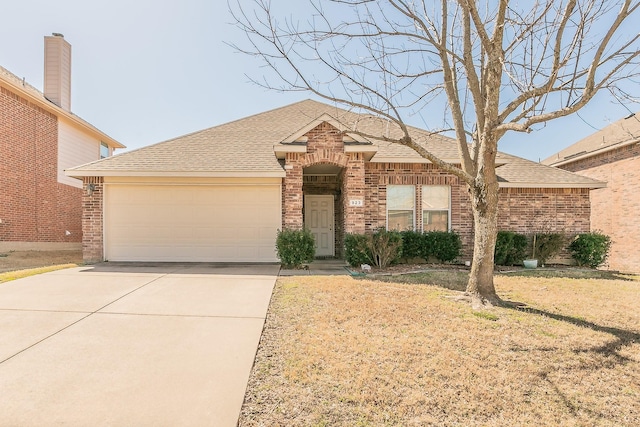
(323,215)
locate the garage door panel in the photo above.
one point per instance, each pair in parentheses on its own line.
(181,197)
(192,223)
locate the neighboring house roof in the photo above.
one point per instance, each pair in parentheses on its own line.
(623,132)
(521,173)
(24,89)
(251,147)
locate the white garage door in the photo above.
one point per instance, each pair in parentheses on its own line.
(198,223)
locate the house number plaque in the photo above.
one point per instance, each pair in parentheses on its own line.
(356,202)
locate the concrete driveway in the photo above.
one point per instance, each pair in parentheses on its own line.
(131,344)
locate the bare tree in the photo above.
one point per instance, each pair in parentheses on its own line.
(494,66)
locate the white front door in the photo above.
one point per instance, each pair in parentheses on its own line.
(319,219)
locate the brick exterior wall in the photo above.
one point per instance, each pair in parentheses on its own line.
(92,220)
(379,175)
(34,207)
(523,210)
(528,210)
(325,146)
(614,209)
(354,188)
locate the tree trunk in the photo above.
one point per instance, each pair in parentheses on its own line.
(484,201)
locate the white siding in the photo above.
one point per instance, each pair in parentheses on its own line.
(75,148)
(57,71)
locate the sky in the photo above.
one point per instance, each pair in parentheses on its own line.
(146,71)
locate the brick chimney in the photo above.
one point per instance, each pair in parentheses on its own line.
(57,70)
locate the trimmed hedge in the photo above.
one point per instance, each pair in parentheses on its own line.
(442,245)
(356,249)
(590,249)
(384,247)
(295,247)
(412,244)
(511,248)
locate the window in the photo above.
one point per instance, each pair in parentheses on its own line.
(436,207)
(400,207)
(104,150)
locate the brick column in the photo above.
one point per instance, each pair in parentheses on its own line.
(292,193)
(92,220)
(353,191)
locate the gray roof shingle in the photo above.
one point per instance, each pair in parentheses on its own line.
(246,146)
(624,131)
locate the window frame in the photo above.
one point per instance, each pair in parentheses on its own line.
(448,210)
(413,211)
(104,145)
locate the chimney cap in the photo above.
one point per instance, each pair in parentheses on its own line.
(57,35)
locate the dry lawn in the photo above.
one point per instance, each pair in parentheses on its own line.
(341,351)
(22,260)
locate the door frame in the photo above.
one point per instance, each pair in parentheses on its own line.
(332,220)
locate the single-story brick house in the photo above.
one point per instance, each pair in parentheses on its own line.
(611,155)
(41,207)
(222,193)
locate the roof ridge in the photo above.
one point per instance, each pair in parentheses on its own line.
(615,134)
(22,81)
(166,141)
(228,123)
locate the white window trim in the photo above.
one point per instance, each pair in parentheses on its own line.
(414,219)
(104,144)
(423,210)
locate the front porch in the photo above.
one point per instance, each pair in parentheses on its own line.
(324,188)
(322,208)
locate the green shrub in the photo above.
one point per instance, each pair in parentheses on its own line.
(443,245)
(412,243)
(385,247)
(511,248)
(295,247)
(356,249)
(590,249)
(380,248)
(548,245)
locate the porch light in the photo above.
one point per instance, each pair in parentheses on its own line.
(90,189)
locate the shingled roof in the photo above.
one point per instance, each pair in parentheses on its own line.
(623,132)
(247,148)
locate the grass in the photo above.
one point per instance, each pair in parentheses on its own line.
(341,351)
(454,280)
(572,273)
(24,260)
(457,280)
(19,274)
(18,264)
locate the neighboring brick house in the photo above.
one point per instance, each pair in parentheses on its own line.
(40,207)
(222,193)
(611,155)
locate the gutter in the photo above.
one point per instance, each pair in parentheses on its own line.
(570,159)
(173,174)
